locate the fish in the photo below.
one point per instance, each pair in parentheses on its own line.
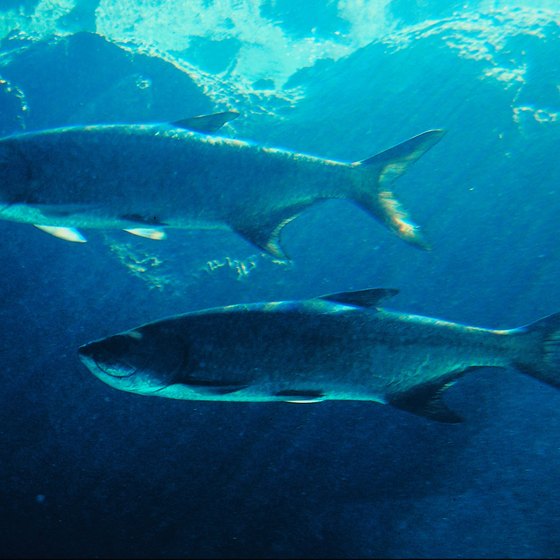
(341,346)
(147,178)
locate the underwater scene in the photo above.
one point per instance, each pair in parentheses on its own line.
(280,278)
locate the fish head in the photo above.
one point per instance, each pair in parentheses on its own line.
(144,360)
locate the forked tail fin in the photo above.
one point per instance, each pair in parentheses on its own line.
(370,188)
(538,353)
(374,187)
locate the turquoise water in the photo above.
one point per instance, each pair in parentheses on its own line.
(90,471)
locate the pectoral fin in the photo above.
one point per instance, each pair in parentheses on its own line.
(212,386)
(68,234)
(63,210)
(217,390)
(304,401)
(299,396)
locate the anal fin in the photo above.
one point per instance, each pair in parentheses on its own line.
(68,234)
(427,401)
(264,230)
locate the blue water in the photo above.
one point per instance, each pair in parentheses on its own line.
(89,471)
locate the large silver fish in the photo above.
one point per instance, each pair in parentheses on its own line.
(145,178)
(339,346)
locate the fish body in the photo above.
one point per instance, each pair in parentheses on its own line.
(147,178)
(334,347)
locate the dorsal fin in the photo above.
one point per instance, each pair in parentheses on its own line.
(206,123)
(361,298)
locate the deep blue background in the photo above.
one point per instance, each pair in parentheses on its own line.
(86,470)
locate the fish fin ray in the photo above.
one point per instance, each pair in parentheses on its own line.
(301,396)
(143,220)
(427,400)
(394,162)
(541,359)
(206,124)
(68,234)
(149,233)
(386,167)
(265,233)
(217,389)
(62,210)
(361,298)
(211,386)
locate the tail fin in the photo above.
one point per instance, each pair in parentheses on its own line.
(541,357)
(384,168)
